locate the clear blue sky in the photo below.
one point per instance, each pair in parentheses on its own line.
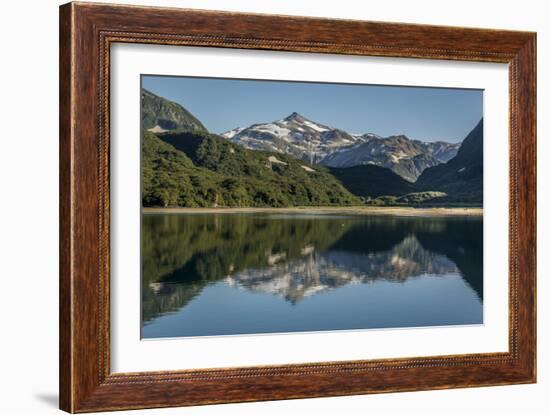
(428,114)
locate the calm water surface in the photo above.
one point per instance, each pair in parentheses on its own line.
(219,274)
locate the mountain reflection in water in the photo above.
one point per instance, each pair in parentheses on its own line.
(317,272)
(295,257)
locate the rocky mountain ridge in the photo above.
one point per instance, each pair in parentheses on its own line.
(320,144)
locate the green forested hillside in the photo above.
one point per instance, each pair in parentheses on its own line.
(160,113)
(204,170)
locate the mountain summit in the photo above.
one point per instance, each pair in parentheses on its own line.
(295,117)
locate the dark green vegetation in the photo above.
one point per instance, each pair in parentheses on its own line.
(462,176)
(368,180)
(182,254)
(409,199)
(205,170)
(184,165)
(159,112)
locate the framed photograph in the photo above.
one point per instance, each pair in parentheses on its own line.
(260,207)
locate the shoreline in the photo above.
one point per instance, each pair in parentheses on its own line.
(352,210)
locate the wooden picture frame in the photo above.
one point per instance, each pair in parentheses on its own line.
(86,33)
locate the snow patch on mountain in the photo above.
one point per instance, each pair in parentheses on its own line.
(232,133)
(316,127)
(157,129)
(273,159)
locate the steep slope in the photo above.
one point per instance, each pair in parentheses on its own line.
(160,115)
(372,181)
(294,135)
(462,176)
(406,157)
(200,169)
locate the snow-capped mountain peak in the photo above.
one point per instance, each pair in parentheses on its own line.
(296,135)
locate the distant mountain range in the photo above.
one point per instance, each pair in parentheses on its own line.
(298,162)
(408,158)
(318,143)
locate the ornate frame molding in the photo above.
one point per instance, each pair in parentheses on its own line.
(86,34)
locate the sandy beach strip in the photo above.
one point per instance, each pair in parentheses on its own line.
(352,210)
